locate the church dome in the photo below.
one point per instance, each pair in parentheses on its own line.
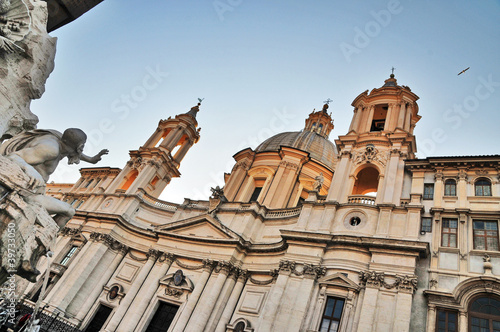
(320,148)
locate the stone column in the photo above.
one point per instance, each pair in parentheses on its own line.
(302,300)
(316,316)
(268,316)
(369,119)
(222,300)
(147,291)
(355,120)
(73,284)
(431,318)
(172,138)
(401,117)
(403,311)
(236,179)
(462,188)
(368,309)
(101,283)
(462,323)
(341,173)
(132,292)
(409,111)
(193,299)
(233,300)
(207,303)
(183,150)
(76,262)
(154,139)
(390,178)
(388,117)
(438,188)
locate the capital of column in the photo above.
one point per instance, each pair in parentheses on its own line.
(286,267)
(243,275)
(224,267)
(166,258)
(153,254)
(208,265)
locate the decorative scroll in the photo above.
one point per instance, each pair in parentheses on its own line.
(377,279)
(173,292)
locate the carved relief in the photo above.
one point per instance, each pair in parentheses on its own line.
(371,154)
(377,279)
(15,24)
(68,231)
(371,278)
(135,163)
(288,164)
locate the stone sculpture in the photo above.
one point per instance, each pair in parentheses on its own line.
(26,60)
(27,229)
(318,183)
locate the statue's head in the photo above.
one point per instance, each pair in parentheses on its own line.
(74,139)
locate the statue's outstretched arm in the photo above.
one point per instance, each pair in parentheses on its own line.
(95,159)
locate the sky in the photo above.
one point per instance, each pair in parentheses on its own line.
(262,67)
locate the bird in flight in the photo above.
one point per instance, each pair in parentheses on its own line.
(463,71)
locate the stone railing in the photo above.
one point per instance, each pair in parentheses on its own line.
(285,213)
(157,203)
(361,199)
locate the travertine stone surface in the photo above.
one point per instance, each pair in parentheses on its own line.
(26,60)
(26,230)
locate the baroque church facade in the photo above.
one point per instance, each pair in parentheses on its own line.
(306,235)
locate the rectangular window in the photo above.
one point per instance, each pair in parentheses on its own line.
(450,188)
(163,317)
(70,254)
(446,321)
(485,235)
(429,191)
(426,225)
(255,194)
(332,315)
(449,233)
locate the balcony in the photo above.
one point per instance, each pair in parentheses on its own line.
(361,199)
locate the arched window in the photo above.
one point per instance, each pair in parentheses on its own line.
(483,187)
(484,314)
(450,187)
(366,182)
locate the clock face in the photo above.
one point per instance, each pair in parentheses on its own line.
(178,277)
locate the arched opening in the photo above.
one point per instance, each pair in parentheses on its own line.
(130,179)
(366,182)
(484,314)
(379,117)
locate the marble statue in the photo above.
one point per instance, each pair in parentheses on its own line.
(318,183)
(29,220)
(38,152)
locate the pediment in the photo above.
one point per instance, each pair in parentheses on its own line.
(200,227)
(338,280)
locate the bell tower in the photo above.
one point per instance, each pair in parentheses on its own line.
(380,138)
(156,162)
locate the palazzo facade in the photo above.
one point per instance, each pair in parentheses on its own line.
(306,235)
